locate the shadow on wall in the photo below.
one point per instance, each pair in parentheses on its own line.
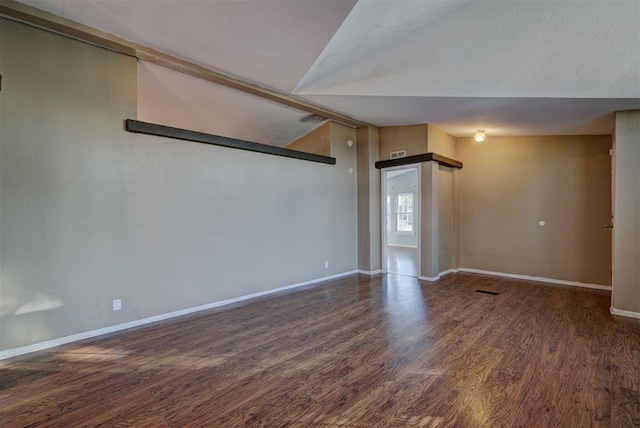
(27,302)
(20,303)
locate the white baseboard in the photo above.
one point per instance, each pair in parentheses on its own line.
(538,279)
(629,314)
(369,272)
(437,277)
(402,245)
(8,353)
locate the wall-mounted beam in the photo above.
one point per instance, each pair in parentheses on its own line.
(442,160)
(32,16)
(216,140)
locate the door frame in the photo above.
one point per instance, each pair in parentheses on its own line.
(612,153)
(417,213)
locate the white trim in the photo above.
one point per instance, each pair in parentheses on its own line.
(370,272)
(8,353)
(448,271)
(384,234)
(418,214)
(437,277)
(383,212)
(622,313)
(539,279)
(401,245)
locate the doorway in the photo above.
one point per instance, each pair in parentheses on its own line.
(401,220)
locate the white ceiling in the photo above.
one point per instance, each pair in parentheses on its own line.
(511,67)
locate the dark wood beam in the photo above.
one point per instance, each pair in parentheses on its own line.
(38,18)
(216,140)
(442,160)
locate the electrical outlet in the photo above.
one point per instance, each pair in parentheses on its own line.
(117,304)
(326,265)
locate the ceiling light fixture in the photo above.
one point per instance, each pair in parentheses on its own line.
(480,136)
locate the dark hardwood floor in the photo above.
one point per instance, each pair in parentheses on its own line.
(402,260)
(355,352)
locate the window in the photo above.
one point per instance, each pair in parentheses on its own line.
(404,212)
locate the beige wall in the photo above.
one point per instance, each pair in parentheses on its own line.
(509,184)
(626,264)
(429,224)
(412,138)
(369,226)
(91,213)
(440,142)
(416,140)
(447,220)
(439,229)
(317,141)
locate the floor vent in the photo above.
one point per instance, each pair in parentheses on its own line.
(493,293)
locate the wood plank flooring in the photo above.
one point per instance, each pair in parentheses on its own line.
(402,260)
(385,351)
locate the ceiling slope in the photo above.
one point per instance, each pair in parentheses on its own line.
(271,42)
(526,67)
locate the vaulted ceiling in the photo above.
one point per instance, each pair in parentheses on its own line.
(511,67)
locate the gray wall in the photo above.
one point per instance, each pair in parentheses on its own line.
(90,213)
(626,251)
